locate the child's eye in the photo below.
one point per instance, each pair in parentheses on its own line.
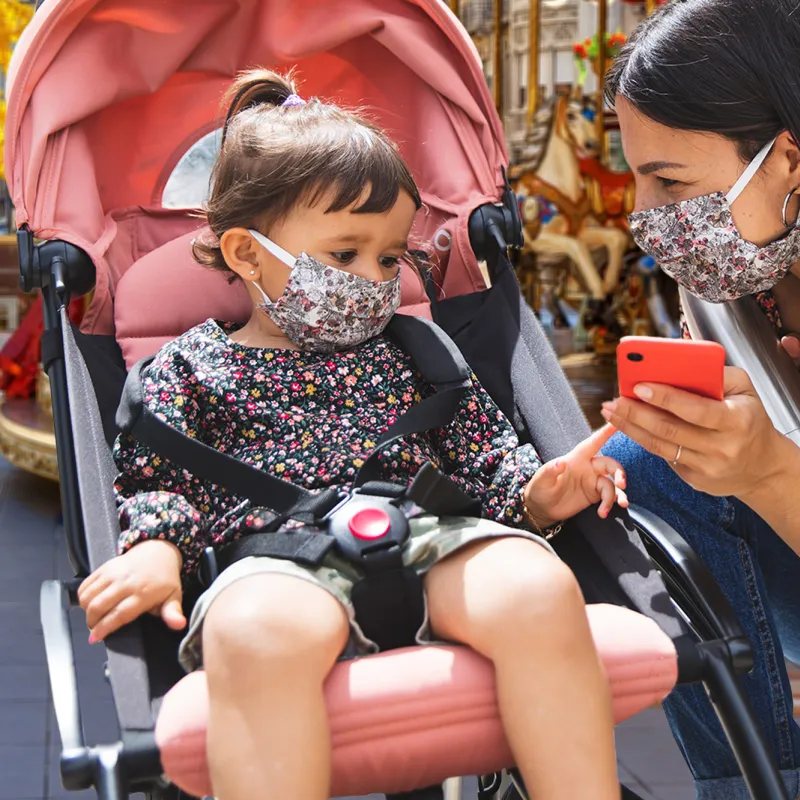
(345,256)
(389,262)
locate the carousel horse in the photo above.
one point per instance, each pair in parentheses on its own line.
(550,170)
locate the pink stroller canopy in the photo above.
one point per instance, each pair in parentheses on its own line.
(106,96)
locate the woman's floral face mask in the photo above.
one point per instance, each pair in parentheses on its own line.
(325,309)
(697,243)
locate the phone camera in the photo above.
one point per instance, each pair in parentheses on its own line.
(635,357)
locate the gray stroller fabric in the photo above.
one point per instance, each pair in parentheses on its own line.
(127,666)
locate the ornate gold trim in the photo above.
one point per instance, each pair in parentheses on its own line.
(28,448)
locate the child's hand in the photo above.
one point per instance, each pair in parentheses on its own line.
(146,578)
(567,485)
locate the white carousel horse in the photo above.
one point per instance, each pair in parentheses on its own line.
(550,172)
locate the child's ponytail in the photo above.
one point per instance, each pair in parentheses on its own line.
(256,87)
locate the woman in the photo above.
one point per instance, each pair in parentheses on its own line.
(708,97)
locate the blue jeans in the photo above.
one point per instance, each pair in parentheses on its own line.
(760,576)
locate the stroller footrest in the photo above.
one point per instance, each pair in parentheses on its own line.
(413,717)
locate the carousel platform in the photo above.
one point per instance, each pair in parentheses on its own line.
(27,440)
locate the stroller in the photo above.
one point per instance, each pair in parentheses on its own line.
(107,102)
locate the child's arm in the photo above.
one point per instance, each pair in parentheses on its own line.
(158,499)
(480,451)
(158,505)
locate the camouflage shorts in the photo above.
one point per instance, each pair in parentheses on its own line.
(431,539)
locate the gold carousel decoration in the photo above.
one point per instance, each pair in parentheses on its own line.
(26,425)
(574,205)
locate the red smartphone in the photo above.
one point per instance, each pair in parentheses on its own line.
(693,366)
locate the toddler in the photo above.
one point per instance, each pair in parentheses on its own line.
(311,208)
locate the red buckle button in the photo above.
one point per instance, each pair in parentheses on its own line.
(370,523)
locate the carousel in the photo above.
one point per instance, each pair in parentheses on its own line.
(26,427)
(578,268)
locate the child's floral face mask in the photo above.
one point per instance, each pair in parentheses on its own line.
(325,309)
(697,243)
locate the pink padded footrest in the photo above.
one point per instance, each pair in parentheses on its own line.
(412,718)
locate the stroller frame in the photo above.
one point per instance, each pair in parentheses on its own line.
(114,769)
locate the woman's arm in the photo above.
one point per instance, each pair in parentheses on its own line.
(727,448)
(777,499)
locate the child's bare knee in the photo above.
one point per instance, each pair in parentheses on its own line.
(274,619)
(535,584)
(518,589)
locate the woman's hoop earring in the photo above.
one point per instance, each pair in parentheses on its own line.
(789,196)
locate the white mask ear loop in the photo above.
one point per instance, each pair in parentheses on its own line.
(277,251)
(753,167)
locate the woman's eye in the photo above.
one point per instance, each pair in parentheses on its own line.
(389,262)
(345,256)
(667,183)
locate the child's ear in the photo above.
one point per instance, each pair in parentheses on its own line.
(241,253)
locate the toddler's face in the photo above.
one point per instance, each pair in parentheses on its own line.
(368,245)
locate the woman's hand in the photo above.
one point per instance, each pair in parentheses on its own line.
(564,487)
(719,447)
(791,344)
(145,579)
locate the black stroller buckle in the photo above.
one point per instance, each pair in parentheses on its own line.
(370,532)
(389,602)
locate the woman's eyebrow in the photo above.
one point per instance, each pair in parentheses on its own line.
(655,166)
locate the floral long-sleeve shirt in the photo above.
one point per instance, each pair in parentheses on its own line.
(306,418)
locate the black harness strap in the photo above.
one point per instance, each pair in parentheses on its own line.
(432,413)
(202,461)
(431,350)
(305,547)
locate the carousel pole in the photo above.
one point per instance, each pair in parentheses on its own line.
(649,6)
(454,6)
(602,66)
(534,47)
(497,56)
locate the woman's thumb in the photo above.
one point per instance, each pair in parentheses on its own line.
(791,344)
(172,614)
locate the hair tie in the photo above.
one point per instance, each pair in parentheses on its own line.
(293,100)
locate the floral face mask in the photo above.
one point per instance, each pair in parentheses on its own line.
(697,243)
(324,309)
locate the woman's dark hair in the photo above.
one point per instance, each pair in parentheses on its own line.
(274,156)
(728,67)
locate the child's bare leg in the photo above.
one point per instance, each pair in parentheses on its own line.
(269,641)
(521,607)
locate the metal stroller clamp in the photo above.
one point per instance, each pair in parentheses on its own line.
(88,176)
(750,342)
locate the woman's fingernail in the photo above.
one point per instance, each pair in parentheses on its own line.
(644,392)
(92,640)
(610,405)
(606,414)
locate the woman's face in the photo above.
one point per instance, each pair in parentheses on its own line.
(671,165)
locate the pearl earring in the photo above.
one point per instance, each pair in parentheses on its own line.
(252,272)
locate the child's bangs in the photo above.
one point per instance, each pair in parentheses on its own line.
(367,180)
